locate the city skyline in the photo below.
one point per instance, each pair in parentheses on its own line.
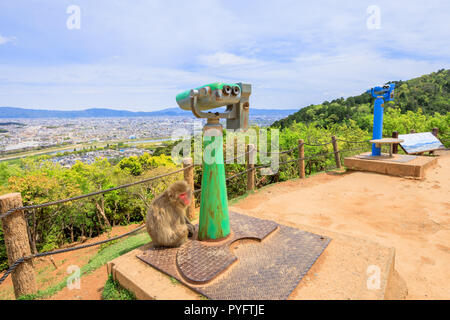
(23,133)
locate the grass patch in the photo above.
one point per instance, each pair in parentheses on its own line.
(103,246)
(102,257)
(174,281)
(114,291)
(111,252)
(233,201)
(44,269)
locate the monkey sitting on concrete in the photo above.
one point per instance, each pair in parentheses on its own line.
(167,223)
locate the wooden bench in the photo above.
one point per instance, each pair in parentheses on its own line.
(390,141)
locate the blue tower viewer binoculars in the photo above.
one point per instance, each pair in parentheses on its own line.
(385,92)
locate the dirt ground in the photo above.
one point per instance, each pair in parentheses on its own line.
(91,287)
(413,216)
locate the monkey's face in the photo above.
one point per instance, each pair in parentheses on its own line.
(185,198)
(180,194)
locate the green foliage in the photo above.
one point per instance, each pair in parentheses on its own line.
(137,165)
(114,291)
(394,120)
(238,185)
(51,241)
(40,181)
(165,148)
(131,165)
(3,256)
(7,170)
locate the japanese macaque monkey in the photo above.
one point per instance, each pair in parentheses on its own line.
(167,223)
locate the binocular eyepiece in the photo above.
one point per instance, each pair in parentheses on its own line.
(231,90)
(226,90)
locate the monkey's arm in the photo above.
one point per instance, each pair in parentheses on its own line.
(190,226)
(172,236)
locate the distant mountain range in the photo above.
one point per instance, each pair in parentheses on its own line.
(16,113)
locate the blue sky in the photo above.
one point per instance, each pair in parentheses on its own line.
(137,55)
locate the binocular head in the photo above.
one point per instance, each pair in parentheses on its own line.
(235,96)
(386,92)
(210,96)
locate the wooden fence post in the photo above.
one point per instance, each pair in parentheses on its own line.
(301,161)
(17,244)
(336,152)
(395,145)
(250,159)
(189,178)
(435,131)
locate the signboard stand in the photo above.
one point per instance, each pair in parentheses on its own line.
(418,143)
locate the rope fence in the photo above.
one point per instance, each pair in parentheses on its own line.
(250,171)
(48,204)
(363,141)
(48,253)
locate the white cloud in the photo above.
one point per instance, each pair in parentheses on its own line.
(4,40)
(224,59)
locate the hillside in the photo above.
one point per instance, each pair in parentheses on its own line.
(430,92)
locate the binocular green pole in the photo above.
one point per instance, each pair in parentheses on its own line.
(214,222)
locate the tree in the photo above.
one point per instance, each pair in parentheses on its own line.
(131,165)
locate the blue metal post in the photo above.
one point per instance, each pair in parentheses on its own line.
(381,94)
(377,124)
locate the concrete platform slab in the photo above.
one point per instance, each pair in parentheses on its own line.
(270,268)
(399,165)
(349,268)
